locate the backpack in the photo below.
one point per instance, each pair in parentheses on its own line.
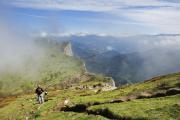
(39,91)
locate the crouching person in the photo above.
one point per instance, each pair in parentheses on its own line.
(40,94)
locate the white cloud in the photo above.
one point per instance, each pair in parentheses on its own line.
(87,5)
(68,34)
(164,19)
(43,34)
(36,16)
(158,15)
(109,48)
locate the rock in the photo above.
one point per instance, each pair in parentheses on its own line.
(112,82)
(129,98)
(62,105)
(94,103)
(173,91)
(158,94)
(90,87)
(68,50)
(144,95)
(66,102)
(116,101)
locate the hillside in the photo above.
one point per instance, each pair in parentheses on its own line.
(157,98)
(89,60)
(48,66)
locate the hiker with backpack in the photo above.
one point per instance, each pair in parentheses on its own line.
(40,94)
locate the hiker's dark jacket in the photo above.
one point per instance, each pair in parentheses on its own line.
(39,91)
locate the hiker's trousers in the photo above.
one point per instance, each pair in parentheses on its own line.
(41,98)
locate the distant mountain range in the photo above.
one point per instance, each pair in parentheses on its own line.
(128,59)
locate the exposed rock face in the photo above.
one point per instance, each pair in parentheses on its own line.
(68,50)
(112,82)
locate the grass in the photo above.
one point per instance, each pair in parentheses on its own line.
(56,67)
(49,68)
(26,106)
(70,116)
(165,108)
(171,81)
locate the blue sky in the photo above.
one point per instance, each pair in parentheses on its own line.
(105,17)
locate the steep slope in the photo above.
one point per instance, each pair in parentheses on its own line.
(157,98)
(48,66)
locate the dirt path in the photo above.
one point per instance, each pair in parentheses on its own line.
(7,100)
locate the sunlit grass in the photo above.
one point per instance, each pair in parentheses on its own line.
(164,108)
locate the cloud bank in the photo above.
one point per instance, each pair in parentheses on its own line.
(160,16)
(93,5)
(17,49)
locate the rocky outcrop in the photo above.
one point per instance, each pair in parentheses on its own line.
(68,50)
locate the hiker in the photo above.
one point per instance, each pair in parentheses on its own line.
(40,94)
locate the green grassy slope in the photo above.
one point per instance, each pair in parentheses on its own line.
(160,108)
(163,108)
(52,69)
(47,68)
(153,85)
